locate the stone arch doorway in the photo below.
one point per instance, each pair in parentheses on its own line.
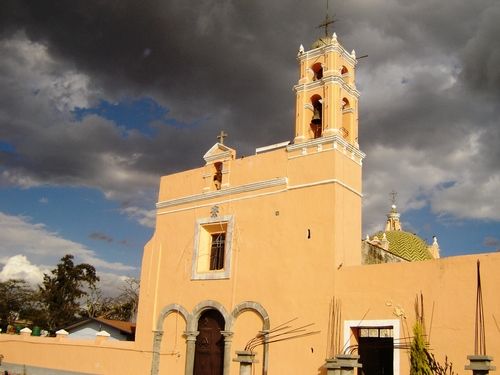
(209,347)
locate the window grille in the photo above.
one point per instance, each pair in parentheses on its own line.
(376,332)
(217,251)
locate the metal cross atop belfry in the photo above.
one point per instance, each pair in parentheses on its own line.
(221,137)
(328,21)
(393,195)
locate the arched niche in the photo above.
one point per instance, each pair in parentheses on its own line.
(255,307)
(158,334)
(258,310)
(217,179)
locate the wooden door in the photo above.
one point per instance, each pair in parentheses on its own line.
(209,353)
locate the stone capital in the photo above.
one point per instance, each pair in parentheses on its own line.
(191,335)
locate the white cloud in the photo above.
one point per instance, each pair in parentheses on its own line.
(111,283)
(40,246)
(405,170)
(19,267)
(470,199)
(454,181)
(33,70)
(144,217)
(38,92)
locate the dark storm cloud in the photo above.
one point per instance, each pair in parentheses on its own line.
(430,89)
(198,58)
(211,64)
(481,55)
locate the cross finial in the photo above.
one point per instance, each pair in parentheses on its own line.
(221,137)
(393,195)
(328,21)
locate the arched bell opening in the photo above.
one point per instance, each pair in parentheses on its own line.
(317,117)
(318,71)
(344,72)
(347,114)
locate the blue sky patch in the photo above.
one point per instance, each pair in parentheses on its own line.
(82,215)
(133,114)
(455,237)
(7,147)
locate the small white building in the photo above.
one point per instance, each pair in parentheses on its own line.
(88,329)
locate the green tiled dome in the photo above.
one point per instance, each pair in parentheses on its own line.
(406,245)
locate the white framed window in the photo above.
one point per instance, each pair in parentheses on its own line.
(212,248)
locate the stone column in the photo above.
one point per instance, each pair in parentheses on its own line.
(190,350)
(265,352)
(228,338)
(155,361)
(480,364)
(332,367)
(246,360)
(342,364)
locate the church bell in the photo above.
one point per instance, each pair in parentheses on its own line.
(316,116)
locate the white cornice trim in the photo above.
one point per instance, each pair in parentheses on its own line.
(271,147)
(328,48)
(327,80)
(221,156)
(253,196)
(230,200)
(219,193)
(325,182)
(308,86)
(333,139)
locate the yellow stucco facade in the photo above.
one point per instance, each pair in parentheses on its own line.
(265,239)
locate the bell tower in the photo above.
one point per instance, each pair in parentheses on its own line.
(325,155)
(326,95)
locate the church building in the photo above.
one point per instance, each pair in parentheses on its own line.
(245,245)
(264,254)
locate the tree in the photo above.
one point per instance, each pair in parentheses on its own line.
(419,360)
(62,290)
(17,301)
(422,362)
(122,307)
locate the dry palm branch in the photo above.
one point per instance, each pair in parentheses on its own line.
(282,332)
